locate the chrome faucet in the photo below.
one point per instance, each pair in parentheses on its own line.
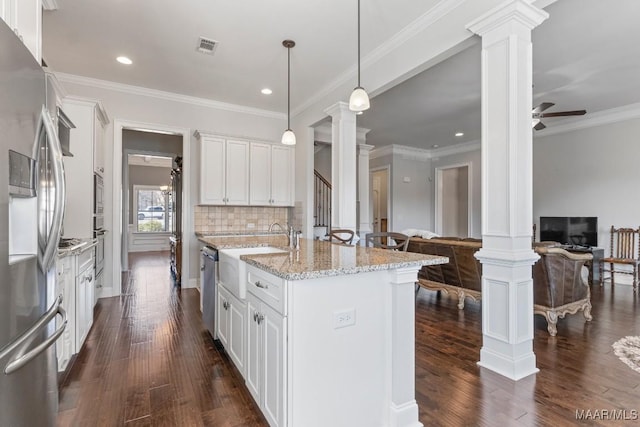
(279,226)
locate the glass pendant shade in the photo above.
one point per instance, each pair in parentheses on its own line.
(288,137)
(359,100)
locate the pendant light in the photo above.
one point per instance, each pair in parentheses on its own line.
(359,100)
(288,137)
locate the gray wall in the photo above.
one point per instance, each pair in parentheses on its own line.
(589,172)
(322,161)
(151,142)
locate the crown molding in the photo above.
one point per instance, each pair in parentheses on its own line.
(614,115)
(409,153)
(322,133)
(464,147)
(50,4)
(511,10)
(167,96)
(425,20)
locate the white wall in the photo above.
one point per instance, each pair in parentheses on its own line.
(589,172)
(133,105)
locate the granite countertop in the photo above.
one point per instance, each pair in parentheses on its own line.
(84,244)
(317,258)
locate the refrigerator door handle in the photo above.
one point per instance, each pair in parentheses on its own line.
(58,176)
(28,335)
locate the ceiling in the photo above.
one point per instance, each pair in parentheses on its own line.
(581,60)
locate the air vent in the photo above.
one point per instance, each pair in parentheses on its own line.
(206,45)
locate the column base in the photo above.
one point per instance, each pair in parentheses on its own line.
(405,415)
(512,368)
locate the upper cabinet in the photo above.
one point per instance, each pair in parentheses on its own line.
(86,145)
(271,174)
(24,17)
(224,170)
(238,172)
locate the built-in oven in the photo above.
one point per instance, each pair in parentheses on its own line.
(98,195)
(99,252)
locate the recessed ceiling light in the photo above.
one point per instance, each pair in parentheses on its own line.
(435,146)
(124,60)
(266,91)
(459,133)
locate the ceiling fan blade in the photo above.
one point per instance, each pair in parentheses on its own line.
(539,126)
(540,108)
(565,113)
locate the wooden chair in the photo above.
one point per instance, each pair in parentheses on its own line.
(383,240)
(342,235)
(624,251)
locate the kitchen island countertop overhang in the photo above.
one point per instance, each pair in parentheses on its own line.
(317,258)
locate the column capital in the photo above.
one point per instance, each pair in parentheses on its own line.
(365,148)
(521,11)
(340,110)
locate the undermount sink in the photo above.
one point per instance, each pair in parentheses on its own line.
(232,270)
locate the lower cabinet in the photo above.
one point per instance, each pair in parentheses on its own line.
(266,357)
(65,286)
(231,324)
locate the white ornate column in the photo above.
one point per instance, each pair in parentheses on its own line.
(506,254)
(364,223)
(343,166)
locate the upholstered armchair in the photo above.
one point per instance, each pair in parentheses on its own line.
(560,285)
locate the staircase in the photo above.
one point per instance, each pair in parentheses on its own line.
(322,204)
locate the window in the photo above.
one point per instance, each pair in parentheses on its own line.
(151,209)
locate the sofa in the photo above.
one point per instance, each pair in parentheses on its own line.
(560,279)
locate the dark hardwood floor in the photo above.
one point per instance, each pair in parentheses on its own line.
(148,361)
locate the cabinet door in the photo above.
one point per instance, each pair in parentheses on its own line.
(273,365)
(90,295)
(282,178)
(212,171)
(222,316)
(260,174)
(236,338)
(237,172)
(81,312)
(254,349)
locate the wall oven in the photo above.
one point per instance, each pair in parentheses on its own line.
(99,235)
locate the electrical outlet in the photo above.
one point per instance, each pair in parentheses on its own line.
(251,225)
(344,318)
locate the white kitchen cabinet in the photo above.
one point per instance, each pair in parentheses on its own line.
(224,170)
(230,321)
(65,286)
(266,345)
(24,17)
(85,290)
(271,174)
(89,118)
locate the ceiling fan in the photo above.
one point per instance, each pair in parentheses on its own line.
(537,114)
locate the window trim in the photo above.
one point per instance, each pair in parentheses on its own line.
(165,220)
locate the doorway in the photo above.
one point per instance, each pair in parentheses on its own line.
(453,200)
(119,248)
(381,198)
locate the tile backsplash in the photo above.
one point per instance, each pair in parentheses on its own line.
(215,219)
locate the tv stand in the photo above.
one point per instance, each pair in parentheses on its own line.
(593,265)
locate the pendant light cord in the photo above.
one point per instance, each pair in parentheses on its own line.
(289,88)
(358,43)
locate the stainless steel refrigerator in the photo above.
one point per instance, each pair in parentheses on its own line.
(32,195)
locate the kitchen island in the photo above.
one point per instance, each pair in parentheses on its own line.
(329,332)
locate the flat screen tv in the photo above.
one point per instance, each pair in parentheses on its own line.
(570,230)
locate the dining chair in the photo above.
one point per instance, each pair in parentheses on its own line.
(341,235)
(388,240)
(624,250)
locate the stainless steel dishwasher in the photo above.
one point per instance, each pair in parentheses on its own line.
(209,288)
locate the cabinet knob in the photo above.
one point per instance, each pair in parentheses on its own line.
(260,285)
(260,318)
